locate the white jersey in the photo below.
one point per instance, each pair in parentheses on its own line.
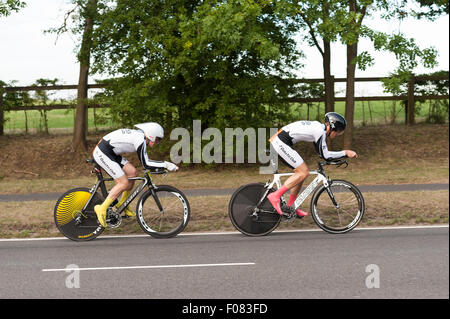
(129,141)
(312,131)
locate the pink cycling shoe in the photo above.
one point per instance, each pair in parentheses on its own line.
(275,201)
(300,213)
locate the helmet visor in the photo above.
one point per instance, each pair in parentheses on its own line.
(158,140)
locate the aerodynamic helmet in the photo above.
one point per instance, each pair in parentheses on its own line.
(153,131)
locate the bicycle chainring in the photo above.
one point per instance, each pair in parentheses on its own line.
(113,219)
(288,212)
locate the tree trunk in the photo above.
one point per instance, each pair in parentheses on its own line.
(352,52)
(79,134)
(329,80)
(2,117)
(350,94)
(80,128)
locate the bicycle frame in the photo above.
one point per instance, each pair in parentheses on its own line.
(146,180)
(320,178)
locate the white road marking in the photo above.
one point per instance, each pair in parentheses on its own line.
(150,267)
(232,232)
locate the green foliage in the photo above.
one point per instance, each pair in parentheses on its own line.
(216,61)
(397,84)
(11,99)
(432,9)
(8,6)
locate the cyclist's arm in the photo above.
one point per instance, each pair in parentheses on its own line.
(322,150)
(145,161)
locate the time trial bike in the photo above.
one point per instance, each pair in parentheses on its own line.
(162,210)
(337,206)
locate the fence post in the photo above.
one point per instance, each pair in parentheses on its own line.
(2,116)
(411,101)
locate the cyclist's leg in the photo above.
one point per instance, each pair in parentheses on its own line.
(292,159)
(111,163)
(130,171)
(301,173)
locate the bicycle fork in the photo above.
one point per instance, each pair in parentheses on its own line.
(333,200)
(158,203)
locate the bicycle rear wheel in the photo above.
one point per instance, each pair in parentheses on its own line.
(339,219)
(71,221)
(164,214)
(241,211)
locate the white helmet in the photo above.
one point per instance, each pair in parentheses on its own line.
(151,130)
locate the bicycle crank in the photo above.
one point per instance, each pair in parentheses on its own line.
(288,212)
(113,219)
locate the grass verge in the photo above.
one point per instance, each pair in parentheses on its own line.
(35,219)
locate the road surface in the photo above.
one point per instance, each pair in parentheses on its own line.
(408,262)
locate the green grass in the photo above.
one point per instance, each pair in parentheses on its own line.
(366,113)
(210,213)
(16,121)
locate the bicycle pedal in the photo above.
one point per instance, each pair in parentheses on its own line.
(288,212)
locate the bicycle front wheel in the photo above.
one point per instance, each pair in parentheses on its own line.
(163,212)
(243,216)
(341,218)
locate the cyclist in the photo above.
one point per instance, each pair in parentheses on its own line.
(306,131)
(108,152)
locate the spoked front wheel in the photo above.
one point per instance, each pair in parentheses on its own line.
(246,217)
(163,212)
(344,216)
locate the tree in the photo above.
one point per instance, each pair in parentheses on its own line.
(81,123)
(406,51)
(222,62)
(326,21)
(321,20)
(85,15)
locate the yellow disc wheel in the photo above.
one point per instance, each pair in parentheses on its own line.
(72,221)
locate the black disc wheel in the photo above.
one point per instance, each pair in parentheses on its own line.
(246,216)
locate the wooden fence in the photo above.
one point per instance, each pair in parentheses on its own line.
(410,97)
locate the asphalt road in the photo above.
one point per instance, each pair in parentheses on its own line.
(365,263)
(230,191)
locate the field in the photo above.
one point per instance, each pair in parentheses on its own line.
(388,155)
(366,113)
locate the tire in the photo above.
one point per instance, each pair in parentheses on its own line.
(338,220)
(241,207)
(176,212)
(68,208)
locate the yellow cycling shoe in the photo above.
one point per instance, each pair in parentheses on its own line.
(101,215)
(129,212)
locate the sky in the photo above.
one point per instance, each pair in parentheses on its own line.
(27,54)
